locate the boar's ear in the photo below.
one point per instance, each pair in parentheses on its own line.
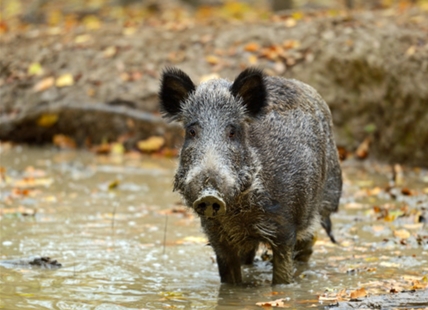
(249,85)
(176,86)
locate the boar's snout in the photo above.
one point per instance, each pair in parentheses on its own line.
(209,204)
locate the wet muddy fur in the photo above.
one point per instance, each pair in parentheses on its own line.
(258,165)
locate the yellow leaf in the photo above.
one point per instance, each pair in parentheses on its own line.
(117,148)
(47,120)
(64,80)
(91,22)
(212,60)
(252,59)
(297,15)
(44,84)
(110,51)
(402,233)
(151,144)
(83,38)
(35,69)
(290,22)
(129,31)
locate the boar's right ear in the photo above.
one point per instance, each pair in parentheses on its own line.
(250,86)
(176,87)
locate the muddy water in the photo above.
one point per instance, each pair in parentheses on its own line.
(125,242)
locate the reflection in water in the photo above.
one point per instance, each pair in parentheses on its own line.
(124,243)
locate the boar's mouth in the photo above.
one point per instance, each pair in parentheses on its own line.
(209,204)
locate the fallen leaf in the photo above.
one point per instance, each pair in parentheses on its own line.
(411,50)
(32,182)
(192,239)
(91,22)
(279,303)
(83,38)
(358,293)
(252,47)
(129,31)
(363,149)
(290,22)
(35,69)
(117,148)
(402,233)
(151,144)
(406,192)
(44,84)
(47,120)
(64,141)
(212,60)
(64,80)
(110,51)
(253,60)
(113,184)
(290,44)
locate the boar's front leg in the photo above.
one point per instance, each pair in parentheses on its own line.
(228,259)
(229,266)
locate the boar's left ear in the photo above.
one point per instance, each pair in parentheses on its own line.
(250,86)
(176,87)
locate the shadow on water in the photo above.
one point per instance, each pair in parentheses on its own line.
(125,242)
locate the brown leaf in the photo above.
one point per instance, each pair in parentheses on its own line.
(406,192)
(212,60)
(44,84)
(279,303)
(363,149)
(64,141)
(358,293)
(252,47)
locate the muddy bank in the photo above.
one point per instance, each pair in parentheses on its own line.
(371,67)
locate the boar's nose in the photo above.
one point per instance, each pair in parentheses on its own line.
(209,204)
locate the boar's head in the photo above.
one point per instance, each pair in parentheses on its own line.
(217,165)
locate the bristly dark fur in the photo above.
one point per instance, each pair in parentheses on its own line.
(250,86)
(258,164)
(176,86)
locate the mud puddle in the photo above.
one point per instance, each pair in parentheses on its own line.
(125,241)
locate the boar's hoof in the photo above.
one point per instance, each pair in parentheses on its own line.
(209,206)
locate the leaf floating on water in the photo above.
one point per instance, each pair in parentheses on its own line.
(402,233)
(114,184)
(279,303)
(359,293)
(64,142)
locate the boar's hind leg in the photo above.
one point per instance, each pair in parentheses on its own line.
(282,264)
(303,249)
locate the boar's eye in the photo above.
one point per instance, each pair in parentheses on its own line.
(191,132)
(231,132)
